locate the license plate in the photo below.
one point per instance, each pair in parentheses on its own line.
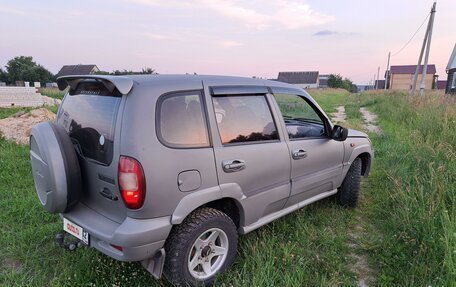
(76,230)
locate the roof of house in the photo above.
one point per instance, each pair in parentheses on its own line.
(452,61)
(69,70)
(298,77)
(441,85)
(410,69)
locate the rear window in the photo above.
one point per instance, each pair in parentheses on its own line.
(90,118)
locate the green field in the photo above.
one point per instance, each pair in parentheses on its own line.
(405,226)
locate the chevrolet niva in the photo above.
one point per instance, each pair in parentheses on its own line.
(169,169)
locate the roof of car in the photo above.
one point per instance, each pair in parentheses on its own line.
(212,78)
(125,82)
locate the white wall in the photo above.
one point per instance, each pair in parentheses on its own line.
(307,86)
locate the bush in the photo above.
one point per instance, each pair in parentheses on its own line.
(336,81)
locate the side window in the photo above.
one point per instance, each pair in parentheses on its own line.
(453,85)
(181,122)
(301,120)
(243,118)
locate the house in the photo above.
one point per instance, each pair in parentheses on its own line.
(323,81)
(441,85)
(69,70)
(451,71)
(303,80)
(379,84)
(401,77)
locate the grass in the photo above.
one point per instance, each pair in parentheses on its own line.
(7,112)
(407,213)
(413,190)
(52,93)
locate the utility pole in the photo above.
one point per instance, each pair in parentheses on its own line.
(378,77)
(427,46)
(387,71)
(426,58)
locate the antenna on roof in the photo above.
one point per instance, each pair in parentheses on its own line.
(427,46)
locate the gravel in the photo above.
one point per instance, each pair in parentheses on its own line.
(19,126)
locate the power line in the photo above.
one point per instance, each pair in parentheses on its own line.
(406,44)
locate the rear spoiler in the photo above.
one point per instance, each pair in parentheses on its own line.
(121,83)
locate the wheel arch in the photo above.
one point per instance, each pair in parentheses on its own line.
(227,202)
(366,160)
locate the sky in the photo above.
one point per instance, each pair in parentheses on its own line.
(226,37)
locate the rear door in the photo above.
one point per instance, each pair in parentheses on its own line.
(89,114)
(316,160)
(249,151)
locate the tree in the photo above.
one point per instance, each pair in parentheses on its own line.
(144,71)
(25,69)
(3,76)
(337,82)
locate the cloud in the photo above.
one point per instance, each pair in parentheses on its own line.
(12,11)
(324,33)
(282,14)
(229,43)
(158,36)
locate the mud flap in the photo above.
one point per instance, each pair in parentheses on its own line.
(154,265)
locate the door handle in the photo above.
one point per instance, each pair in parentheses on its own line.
(298,154)
(233,165)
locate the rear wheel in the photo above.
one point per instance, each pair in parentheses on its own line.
(349,190)
(200,248)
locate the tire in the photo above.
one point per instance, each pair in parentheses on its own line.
(55,168)
(184,240)
(349,190)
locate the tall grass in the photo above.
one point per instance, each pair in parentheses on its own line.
(413,189)
(52,93)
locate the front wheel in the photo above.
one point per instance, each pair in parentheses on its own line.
(200,248)
(349,190)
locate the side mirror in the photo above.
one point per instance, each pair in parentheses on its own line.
(339,133)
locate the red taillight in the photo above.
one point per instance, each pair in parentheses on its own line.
(132,183)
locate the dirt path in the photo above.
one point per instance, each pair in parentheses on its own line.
(360,229)
(370,120)
(339,116)
(361,267)
(19,126)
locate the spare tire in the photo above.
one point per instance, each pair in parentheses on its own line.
(55,167)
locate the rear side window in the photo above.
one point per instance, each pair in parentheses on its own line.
(244,118)
(90,121)
(181,122)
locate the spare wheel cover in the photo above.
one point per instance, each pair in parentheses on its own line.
(55,167)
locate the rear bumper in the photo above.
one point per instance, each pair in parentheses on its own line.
(140,239)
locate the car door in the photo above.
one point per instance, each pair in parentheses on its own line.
(250,153)
(316,159)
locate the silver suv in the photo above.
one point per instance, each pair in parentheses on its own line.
(168,170)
